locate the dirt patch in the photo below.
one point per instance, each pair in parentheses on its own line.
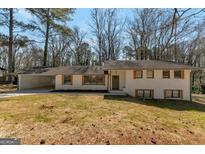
(44,107)
(66,120)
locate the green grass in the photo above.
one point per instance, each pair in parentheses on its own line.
(64,119)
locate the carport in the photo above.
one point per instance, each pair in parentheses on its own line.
(27,81)
(37,78)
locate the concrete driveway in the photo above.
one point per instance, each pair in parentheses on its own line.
(23,93)
(48,91)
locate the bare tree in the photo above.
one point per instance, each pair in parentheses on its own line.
(107,29)
(159,33)
(80,49)
(97,27)
(59,47)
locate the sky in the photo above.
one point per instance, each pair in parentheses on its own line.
(80,18)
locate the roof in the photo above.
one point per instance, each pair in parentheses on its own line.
(109,65)
(144,64)
(64,70)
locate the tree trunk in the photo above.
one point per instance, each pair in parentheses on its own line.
(10,54)
(46,39)
(175,33)
(100,50)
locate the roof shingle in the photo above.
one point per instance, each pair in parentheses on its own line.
(144,64)
(65,70)
(109,65)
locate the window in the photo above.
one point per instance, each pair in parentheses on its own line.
(144,93)
(94,80)
(173,93)
(105,72)
(140,93)
(150,74)
(176,93)
(168,94)
(178,74)
(166,74)
(147,93)
(138,74)
(67,80)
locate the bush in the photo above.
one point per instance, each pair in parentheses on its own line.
(203,90)
(197,90)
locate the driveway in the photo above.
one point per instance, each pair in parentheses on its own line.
(23,93)
(48,91)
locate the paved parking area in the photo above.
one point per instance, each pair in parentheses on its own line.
(43,91)
(23,93)
(4,95)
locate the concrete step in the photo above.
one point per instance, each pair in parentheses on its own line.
(117,93)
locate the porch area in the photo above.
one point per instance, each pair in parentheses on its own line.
(117,82)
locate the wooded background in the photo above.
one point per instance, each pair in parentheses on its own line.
(176,35)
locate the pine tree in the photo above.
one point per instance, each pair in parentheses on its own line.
(50,19)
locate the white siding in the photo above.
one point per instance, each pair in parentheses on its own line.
(126,83)
(77,84)
(158,84)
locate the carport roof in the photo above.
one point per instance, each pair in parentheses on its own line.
(64,70)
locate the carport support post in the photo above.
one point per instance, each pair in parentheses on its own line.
(191,73)
(19,82)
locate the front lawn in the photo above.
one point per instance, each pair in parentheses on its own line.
(64,119)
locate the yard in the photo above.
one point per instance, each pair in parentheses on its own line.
(95,119)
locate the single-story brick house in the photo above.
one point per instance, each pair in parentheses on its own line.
(141,78)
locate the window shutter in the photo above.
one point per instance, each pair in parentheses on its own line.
(152,93)
(62,80)
(182,74)
(136,93)
(141,73)
(134,74)
(82,80)
(164,94)
(181,93)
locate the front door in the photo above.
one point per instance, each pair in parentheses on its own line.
(115,82)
